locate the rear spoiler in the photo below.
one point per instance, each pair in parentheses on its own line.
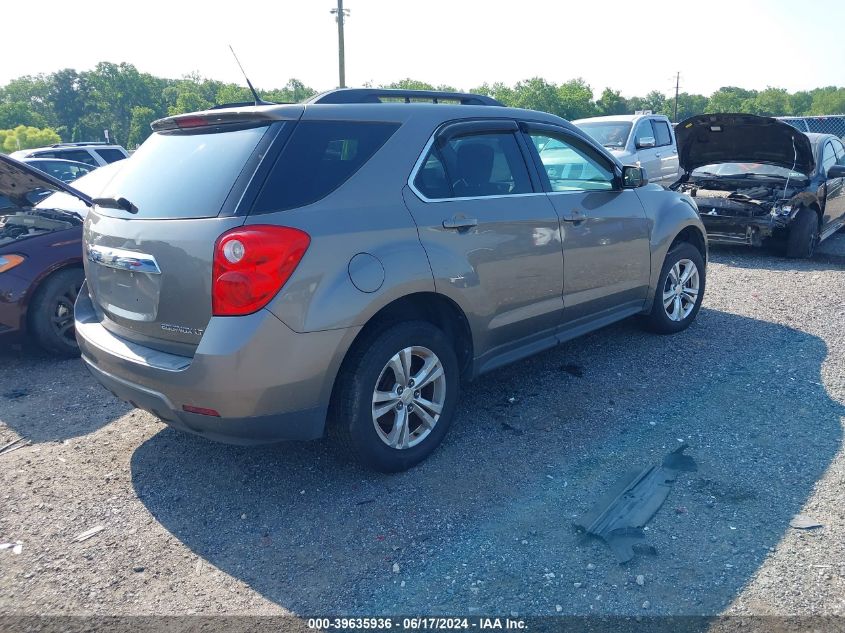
(211,118)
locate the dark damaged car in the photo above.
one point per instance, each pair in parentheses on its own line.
(41,253)
(757,180)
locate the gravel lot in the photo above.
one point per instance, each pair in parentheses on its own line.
(756,387)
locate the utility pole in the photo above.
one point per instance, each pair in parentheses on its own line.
(677,90)
(340,15)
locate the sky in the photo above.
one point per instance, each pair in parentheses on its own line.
(634,47)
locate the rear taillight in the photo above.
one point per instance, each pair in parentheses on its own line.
(251,264)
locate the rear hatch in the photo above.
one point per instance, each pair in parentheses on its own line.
(149,240)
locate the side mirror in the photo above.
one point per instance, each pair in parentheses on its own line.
(646,142)
(633,177)
(837,171)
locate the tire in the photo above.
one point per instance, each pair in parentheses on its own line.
(50,316)
(803,235)
(368,370)
(683,309)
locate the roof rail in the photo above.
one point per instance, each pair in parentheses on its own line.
(376,95)
(81,144)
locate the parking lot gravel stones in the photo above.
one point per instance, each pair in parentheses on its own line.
(756,387)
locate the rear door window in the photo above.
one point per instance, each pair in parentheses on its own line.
(319,157)
(110,155)
(661,133)
(184,175)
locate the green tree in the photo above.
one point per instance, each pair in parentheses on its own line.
(656,102)
(533,94)
(769,102)
(729,99)
(575,98)
(688,105)
(830,100)
(801,102)
(410,84)
(25,137)
(611,102)
(19,113)
(139,125)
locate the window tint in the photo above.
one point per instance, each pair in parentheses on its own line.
(840,152)
(644,130)
(828,158)
(192,173)
(661,133)
(319,157)
(66,172)
(110,155)
(480,165)
(431,180)
(79,155)
(570,167)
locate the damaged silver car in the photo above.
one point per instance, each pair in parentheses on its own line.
(756,179)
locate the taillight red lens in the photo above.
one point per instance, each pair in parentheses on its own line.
(251,264)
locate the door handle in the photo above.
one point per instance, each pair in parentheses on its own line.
(460,223)
(577,215)
(657,154)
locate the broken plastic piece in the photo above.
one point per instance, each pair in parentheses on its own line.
(619,516)
(803,522)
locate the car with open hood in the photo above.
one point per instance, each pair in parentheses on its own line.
(757,179)
(41,253)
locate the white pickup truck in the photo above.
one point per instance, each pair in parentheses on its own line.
(644,140)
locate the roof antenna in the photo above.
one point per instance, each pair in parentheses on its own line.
(258,100)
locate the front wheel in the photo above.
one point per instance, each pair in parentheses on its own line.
(396,396)
(803,235)
(680,290)
(51,312)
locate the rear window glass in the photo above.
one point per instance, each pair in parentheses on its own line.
(319,157)
(110,155)
(184,175)
(661,131)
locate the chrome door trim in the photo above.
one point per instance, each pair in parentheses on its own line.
(123,259)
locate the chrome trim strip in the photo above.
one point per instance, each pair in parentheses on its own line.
(123,259)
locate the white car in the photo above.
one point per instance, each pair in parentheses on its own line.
(95,154)
(644,140)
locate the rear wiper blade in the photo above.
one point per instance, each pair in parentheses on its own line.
(116,203)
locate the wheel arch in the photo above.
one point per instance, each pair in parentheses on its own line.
(432,307)
(38,284)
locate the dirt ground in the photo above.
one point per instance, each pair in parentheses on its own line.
(756,387)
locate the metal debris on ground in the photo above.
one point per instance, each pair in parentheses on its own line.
(619,516)
(89,533)
(15,445)
(16,547)
(803,522)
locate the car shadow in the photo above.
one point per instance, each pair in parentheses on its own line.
(35,407)
(830,254)
(486,524)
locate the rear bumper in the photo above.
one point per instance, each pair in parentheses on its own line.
(267,382)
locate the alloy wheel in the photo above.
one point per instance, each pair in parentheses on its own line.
(680,290)
(408,397)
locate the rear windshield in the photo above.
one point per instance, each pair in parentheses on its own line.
(319,157)
(181,175)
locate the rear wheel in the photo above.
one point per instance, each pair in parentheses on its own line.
(680,290)
(396,396)
(803,235)
(51,312)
